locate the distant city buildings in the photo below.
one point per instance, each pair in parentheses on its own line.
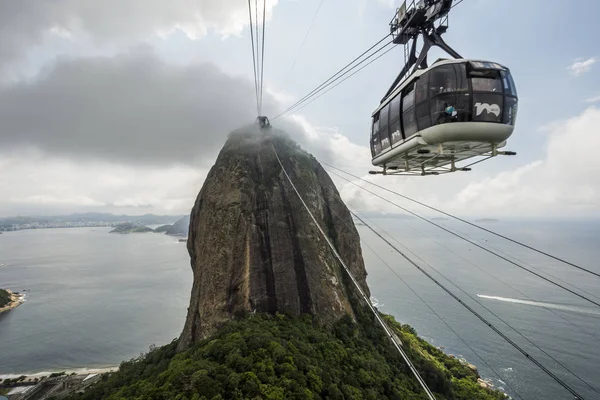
(58,224)
(83,220)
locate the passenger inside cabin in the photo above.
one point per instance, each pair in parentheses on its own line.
(449,114)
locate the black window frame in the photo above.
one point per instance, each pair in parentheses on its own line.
(422,107)
(395,118)
(374,133)
(408,90)
(384,126)
(448,94)
(476,94)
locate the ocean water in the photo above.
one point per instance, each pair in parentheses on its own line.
(94,299)
(564,326)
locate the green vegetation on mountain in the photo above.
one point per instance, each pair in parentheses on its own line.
(280,357)
(129,227)
(4,297)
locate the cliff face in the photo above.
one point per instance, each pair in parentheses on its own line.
(253,246)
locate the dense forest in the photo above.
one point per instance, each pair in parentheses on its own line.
(4,298)
(281,357)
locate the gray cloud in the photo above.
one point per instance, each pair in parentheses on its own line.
(23,23)
(129,108)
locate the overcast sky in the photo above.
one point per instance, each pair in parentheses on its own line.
(122,106)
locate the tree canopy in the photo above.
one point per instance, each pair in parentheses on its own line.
(281,357)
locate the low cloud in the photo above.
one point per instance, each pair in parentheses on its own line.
(592,100)
(24,24)
(35,183)
(565,182)
(581,66)
(132,108)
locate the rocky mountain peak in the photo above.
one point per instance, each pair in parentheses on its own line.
(253,246)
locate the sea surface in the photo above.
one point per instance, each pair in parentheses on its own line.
(94,299)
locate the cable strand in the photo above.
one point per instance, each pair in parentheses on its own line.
(470,241)
(469,223)
(344,80)
(494,314)
(357,285)
(479,316)
(304,40)
(262,62)
(253,56)
(334,75)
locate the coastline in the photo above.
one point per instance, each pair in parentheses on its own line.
(16,299)
(44,385)
(31,376)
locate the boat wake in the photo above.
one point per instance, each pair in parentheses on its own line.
(554,306)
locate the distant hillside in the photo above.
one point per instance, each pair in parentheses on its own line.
(180,228)
(128,227)
(162,228)
(487,220)
(146,219)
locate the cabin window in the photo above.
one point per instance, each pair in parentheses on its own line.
(374,133)
(408,112)
(512,84)
(395,132)
(383,127)
(486,81)
(383,116)
(384,139)
(395,108)
(408,100)
(508,84)
(510,110)
(376,145)
(462,83)
(448,95)
(486,85)
(410,123)
(423,117)
(443,108)
(422,102)
(375,128)
(462,106)
(443,80)
(422,87)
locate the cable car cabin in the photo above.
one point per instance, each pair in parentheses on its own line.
(449,112)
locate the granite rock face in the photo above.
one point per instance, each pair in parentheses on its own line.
(253,245)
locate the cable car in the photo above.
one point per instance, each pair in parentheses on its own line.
(449,112)
(435,116)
